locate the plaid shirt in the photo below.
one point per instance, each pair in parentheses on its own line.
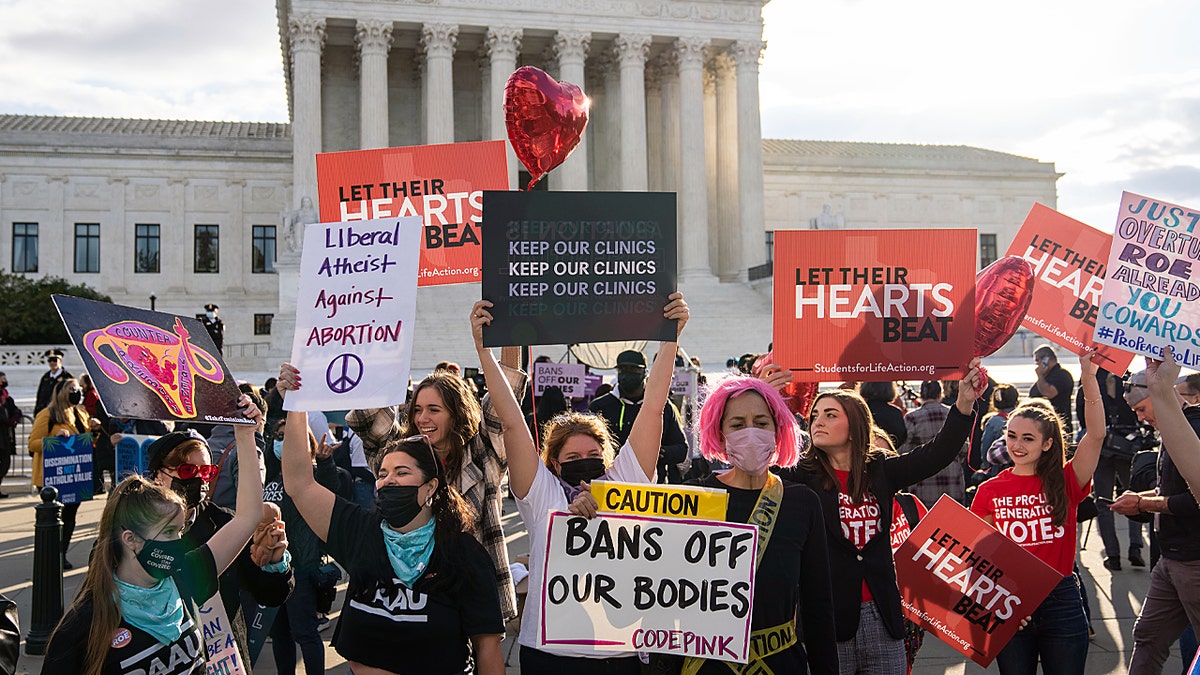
(923,425)
(479,481)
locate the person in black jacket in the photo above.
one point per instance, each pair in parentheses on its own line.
(879,397)
(50,378)
(856,483)
(620,407)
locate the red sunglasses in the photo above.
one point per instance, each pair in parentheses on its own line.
(206,472)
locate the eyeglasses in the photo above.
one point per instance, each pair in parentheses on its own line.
(206,472)
(422,438)
(1130,386)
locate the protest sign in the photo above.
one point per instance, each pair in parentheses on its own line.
(1068,260)
(1150,293)
(634,583)
(866,305)
(443,184)
(592,382)
(569,377)
(131,454)
(67,465)
(567,267)
(355,312)
(673,501)
(219,642)
(150,365)
(683,382)
(966,583)
(258,628)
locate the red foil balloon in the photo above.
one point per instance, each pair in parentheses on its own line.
(1003,292)
(798,395)
(545,119)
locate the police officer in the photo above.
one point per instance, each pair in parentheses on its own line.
(50,378)
(214,326)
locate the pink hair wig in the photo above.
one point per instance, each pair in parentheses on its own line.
(787,432)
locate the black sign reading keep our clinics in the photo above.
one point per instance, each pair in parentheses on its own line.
(570,267)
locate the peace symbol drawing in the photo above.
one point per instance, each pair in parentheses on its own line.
(344,373)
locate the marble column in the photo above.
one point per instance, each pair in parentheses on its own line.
(631,54)
(374,38)
(751,212)
(688,114)
(608,143)
(570,50)
(439,41)
(669,73)
(654,117)
(710,164)
(728,190)
(503,45)
(306,35)
(485,79)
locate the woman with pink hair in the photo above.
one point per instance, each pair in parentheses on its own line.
(746,423)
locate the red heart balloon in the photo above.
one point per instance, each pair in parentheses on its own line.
(545,119)
(798,395)
(1003,291)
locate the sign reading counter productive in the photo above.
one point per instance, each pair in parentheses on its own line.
(355,311)
(568,267)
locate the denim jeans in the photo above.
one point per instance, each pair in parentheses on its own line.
(1110,471)
(1057,634)
(296,624)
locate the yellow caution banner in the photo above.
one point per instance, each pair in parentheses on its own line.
(668,501)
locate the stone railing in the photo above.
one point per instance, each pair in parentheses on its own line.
(31,355)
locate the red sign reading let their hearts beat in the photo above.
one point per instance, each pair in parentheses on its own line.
(443,184)
(867,305)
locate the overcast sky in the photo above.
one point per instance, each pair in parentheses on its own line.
(1108,91)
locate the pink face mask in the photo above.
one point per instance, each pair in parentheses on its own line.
(750,449)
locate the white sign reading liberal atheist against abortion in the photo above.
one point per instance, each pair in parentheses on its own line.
(355,312)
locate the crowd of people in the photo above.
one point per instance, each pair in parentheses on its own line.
(408,500)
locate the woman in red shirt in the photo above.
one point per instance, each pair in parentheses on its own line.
(1033,503)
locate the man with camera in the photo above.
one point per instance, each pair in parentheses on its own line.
(1125,437)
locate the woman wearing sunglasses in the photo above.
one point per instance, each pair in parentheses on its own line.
(137,611)
(422,595)
(180,462)
(576,448)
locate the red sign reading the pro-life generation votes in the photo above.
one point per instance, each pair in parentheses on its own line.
(966,583)
(1069,261)
(443,184)
(867,305)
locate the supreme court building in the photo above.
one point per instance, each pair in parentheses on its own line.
(193,212)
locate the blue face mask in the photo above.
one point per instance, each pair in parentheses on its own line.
(409,552)
(279,450)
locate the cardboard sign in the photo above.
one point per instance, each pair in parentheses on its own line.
(683,382)
(1153,284)
(131,454)
(355,312)
(219,642)
(867,305)
(674,501)
(966,583)
(592,382)
(258,627)
(569,377)
(67,465)
(1069,262)
(606,577)
(150,365)
(443,184)
(568,267)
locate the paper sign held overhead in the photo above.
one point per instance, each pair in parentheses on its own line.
(570,378)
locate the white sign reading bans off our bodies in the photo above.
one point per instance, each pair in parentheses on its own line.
(355,312)
(620,583)
(568,377)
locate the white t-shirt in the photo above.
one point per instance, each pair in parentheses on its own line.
(546,495)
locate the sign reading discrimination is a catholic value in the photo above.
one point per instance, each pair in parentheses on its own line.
(966,583)
(151,365)
(874,304)
(1153,284)
(620,583)
(569,267)
(443,184)
(355,311)
(67,463)
(1069,262)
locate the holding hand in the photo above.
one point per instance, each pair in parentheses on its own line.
(584,503)
(480,316)
(270,538)
(1128,504)
(777,376)
(970,388)
(289,378)
(678,310)
(1161,374)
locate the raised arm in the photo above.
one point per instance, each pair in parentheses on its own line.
(313,501)
(1087,452)
(930,458)
(645,437)
(522,454)
(228,541)
(1178,439)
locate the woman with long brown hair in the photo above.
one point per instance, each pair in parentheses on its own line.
(856,483)
(137,610)
(1048,488)
(65,416)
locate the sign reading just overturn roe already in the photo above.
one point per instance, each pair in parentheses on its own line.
(568,267)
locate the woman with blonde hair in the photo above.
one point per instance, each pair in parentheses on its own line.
(137,610)
(64,417)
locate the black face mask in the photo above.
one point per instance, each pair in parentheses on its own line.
(75,397)
(398,504)
(191,489)
(160,558)
(630,382)
(581,470)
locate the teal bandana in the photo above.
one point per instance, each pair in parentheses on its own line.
(158,610)
(409,553)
